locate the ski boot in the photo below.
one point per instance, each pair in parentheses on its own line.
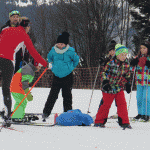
(137,117)
(6,118)
(126,126)
(6,123)
(145,118)
(31,117)
(34,118)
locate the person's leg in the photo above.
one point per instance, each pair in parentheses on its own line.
(52,97)
(148,101)
(122,108)
(7,70)
(139,97)
(145,114)
(67,92)
(102,114)
(20,112)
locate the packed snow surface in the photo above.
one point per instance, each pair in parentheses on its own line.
(75,138)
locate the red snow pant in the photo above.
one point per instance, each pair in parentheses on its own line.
(102,114)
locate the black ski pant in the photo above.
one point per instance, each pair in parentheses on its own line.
(60,83)
(7,70)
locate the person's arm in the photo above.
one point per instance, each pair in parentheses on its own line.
(50,57)
(105,83)
(106,71)
(75,59)
(33,52)
(27,77)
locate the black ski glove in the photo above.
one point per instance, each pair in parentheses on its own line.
(101,60)
(148,64)
(134,62)
(106,86)
(128,87)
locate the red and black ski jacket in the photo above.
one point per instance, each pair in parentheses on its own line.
(14,38)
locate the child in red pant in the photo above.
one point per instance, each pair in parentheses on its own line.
(116,74)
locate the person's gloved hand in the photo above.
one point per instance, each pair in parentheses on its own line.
(134,62)
(148,64)
(50,66)
(106,86)
(128,87)
(29,96)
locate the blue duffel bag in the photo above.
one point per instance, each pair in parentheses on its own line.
(74,118)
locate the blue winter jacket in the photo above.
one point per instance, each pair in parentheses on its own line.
(74,118)
(63,61)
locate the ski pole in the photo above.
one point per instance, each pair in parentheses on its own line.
(27,94)
(93,87)
(131,87)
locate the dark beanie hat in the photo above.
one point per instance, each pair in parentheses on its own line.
(147,44)
(112,45)
(63,38)
(24,22)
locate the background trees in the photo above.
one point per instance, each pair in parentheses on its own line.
(92,24)
(140,22)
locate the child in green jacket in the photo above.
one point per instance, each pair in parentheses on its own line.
(20,86)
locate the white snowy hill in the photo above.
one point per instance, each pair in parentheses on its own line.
(73,138)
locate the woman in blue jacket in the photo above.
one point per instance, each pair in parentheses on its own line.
(63,60)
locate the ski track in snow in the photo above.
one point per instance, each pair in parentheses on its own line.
(74,137)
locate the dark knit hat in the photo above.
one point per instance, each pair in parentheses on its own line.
(112,45)
(147,44)
(24,22)
(63,38)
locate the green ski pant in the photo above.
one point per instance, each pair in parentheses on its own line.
(20,112)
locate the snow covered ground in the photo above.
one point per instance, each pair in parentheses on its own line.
(73,138)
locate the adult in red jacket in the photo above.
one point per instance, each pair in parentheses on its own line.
(11,40)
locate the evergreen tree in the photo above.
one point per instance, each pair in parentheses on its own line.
(141,21)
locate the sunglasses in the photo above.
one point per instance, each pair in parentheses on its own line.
(15,12)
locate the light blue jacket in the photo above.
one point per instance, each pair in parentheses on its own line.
(63,61)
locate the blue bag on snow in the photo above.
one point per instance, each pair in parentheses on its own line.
(74,118)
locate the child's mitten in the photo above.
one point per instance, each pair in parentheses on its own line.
(128,87)
(29,96)
(106,86)
(50,66)
(134,62)
(148,64)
